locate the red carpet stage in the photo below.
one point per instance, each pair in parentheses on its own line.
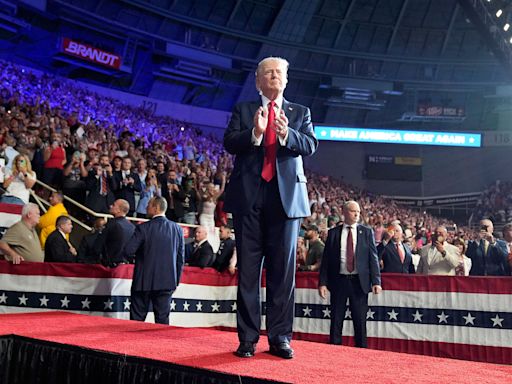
(149,349)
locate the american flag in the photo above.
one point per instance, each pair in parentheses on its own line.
(463,317)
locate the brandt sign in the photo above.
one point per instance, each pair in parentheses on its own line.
(90,53)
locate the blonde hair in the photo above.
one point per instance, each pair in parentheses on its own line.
(27,161)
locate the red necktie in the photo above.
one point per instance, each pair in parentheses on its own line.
(269,161)
(103,190)
(350,251)
(401,253)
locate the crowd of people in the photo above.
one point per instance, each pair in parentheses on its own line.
(113,158)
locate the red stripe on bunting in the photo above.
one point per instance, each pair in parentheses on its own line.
(14,209)
(420,283)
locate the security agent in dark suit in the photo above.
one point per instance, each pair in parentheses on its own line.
(226,252)
(268,198)
(350,269)
(488,255)
(201,254)
(159,258)
(116,235)
(57,248)
(396,256)
(127,183)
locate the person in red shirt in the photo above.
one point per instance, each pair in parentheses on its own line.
(54,160)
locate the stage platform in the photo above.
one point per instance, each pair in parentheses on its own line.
(62,347)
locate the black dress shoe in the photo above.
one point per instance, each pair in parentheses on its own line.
(245,349)
(282,350)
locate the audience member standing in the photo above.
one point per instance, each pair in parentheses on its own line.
(439,257)
(91,248)
(47,222)
(18,180)
(116,235)
(54,160)
(396,256)
(315,250)
(159,248)
(126,184)
(57,247)
(349,270)
(20,242)
(100,184)
(488,254)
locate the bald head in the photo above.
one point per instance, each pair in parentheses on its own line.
(120,208)
(351,212)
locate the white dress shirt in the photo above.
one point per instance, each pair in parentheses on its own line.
(343,245)
(277,110)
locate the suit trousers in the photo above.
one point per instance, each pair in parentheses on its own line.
(161,301)
(266,234)
(348,286)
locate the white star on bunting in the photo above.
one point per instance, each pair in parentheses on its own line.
(199,307)
(348,314)
(215,307)
(307,311)
(3,298)
(186,305)
(327,312)
(173,305)
(393,315)
(496,321)
(23,300)
(370,313)
(233,306)
(469,319)
(108,304)
(44,301)
(417,316)
(443,318)
(85,303)
(127,304)
(65,302)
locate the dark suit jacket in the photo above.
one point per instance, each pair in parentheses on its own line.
(246,176)
(202,256)
(127,192)
(391,259)
(494,263)
(367,261)
(226,249)
(159,255)
(56,249)
(116,235)
(95,200)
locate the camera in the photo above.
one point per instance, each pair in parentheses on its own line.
(484,228)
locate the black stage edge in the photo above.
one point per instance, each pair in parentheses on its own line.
(26,360)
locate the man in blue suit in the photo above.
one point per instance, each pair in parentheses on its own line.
(268,198)
(395,256)
(158,246)
(350,269)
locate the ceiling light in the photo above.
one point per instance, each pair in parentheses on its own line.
(499,13)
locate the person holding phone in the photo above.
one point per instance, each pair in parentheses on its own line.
(18,181)
(439,257)
(488,254)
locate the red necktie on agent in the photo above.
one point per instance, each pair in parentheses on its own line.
(401,252)
(350,250)
(269,162)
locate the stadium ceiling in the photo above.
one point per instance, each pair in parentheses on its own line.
(360,61)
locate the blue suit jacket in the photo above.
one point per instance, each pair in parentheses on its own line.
(391,259)
(244,181)
(158,246)
(494,263)
(367,261)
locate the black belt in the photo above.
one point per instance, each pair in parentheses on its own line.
(350,277)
